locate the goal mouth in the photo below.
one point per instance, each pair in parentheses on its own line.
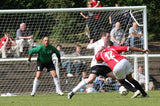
(68,28)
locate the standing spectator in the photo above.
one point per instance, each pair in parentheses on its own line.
(121,67)
(7,44)
(78,64)
(117,35)
(96,3)
(97,19)
(126,18)
(135,33)
(23,37)
(44,59)
(89,16)
(64,63)
(115,16)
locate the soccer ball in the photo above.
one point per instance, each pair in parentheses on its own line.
(89,90)
(123,91)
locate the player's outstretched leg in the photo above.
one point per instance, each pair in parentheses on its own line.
(70,95)
(128,86)
(139,87)
(81,84)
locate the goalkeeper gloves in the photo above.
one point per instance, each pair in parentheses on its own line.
(59,65)
(28,62)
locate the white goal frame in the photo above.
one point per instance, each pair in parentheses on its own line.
(144,8)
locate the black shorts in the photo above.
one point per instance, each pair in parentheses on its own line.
(100,70)
(50,66)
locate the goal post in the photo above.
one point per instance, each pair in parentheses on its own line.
(67,27)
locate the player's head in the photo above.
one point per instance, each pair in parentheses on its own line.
(23,26)
(45,41)
(109,43)
(105,35)
(59,47)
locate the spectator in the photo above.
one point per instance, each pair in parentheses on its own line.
(135,33)
(141,79)
(7,45)
(117,35)
(23,37)
(64,63)
(97,19)
(96,3)
(126,18)
(89,16)
(78,64)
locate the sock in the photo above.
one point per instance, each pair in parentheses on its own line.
(57,84)
(80,85)
(128,86)
(35,85)
(139,87)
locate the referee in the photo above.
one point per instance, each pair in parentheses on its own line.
(44,59)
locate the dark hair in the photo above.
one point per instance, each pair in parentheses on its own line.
(78,45)
(109,43)
(44,37)
(7,32)
(59,46)
(103,33)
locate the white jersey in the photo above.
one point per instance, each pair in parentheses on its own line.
(96,46)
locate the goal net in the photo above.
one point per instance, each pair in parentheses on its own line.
(68,28)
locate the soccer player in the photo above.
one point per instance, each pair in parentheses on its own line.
(96,68)
(44,59)
(121,67)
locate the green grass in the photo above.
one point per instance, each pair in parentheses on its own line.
(82,99)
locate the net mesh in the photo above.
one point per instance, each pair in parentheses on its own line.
(65,28)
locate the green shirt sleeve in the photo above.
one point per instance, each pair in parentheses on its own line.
(35,50)
(56,52)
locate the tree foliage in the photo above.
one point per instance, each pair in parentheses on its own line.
(153,8)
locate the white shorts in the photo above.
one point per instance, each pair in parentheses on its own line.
(122,69)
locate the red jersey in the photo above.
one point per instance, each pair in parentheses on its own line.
(94,3)
(111,55)
(8,45)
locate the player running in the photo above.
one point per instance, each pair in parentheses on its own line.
(120,65)
(96,68)
(44,59)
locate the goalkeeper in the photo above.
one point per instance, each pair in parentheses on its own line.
(44,59)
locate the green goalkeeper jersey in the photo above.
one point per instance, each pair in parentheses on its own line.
(45,53)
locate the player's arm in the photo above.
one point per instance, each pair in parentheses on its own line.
(33,50)
(57,54)
(138,49)
(91,44)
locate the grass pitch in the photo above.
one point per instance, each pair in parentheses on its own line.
(82,99)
